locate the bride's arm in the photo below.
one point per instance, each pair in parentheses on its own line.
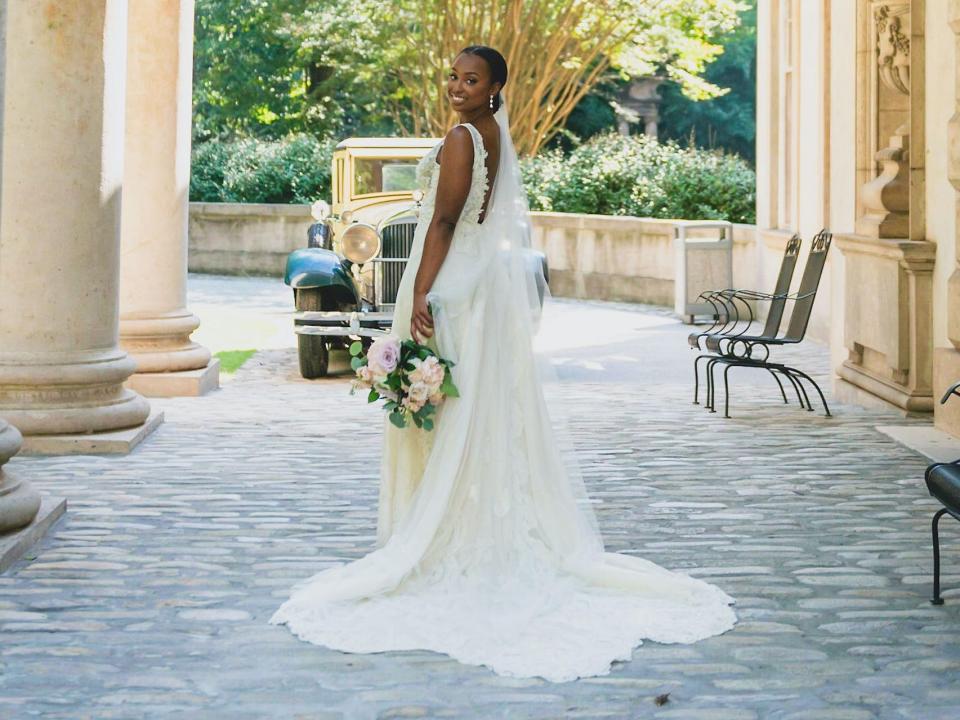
(453,186)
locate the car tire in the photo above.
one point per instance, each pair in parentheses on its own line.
(314,356)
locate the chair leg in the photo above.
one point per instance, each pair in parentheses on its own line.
(696,379)
(726,391)
(805,403)
(780,385)
(796,388)
(712,384)
(826,408)
(936,599)
(708,378)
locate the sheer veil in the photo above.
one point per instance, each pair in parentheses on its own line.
(518,293)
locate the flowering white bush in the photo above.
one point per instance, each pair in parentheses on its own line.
(409,377)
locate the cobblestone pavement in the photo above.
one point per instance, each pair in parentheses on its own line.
(151,597)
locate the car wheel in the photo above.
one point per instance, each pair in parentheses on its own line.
(314,356)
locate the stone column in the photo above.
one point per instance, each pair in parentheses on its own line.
(947,359)
(61,367)
(155,325)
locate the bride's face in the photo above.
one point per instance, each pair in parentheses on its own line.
(468,84)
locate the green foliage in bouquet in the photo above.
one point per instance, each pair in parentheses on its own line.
(413,389)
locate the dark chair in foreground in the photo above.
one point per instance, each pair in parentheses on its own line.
(730,324)
(943,482)
(745,350)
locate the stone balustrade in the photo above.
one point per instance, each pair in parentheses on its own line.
(591,256)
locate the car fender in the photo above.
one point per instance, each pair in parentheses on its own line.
(317,267)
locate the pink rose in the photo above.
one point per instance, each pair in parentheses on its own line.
(419,393)
(384,353)
(428,372)
(377,373)
(364,375)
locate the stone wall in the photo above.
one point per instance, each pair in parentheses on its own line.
(628,259)
(245,238)
(591,256)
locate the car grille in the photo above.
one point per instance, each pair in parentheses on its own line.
(396,242)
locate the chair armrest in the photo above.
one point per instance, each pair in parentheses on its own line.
(951,391)
(754,295)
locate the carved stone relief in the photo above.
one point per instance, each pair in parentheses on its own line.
(893,44)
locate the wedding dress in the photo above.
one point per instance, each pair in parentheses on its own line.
(487,546)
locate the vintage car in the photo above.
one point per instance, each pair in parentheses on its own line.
(345,281)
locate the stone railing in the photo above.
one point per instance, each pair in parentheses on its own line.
(245,238)
(629,259)
(591,256)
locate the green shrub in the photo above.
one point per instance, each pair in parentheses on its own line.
(613,174)
(293,170)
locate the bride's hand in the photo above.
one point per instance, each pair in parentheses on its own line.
(421,322)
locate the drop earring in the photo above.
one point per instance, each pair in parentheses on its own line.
(491,102)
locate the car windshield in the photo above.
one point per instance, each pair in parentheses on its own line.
(374,175)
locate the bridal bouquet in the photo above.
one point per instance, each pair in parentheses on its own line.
(409,377)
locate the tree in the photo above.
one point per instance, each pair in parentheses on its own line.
(557,50)
(246,76)
(728,121)
(269,68)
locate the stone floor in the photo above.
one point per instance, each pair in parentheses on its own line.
(151,597)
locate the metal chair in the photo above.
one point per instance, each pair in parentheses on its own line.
(742,351)
(727,331)
(943,483)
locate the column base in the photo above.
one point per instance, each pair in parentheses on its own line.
(115,442)
(897,395)
(14,545)
(185,383)
(161,343)
(75,392)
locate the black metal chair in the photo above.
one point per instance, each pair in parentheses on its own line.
(728,312)
(728,317)
(742,351)
(943,482)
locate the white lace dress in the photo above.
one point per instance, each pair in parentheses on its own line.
(485,552)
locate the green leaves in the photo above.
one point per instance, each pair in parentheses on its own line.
(397,418)
(356,348)
(448,388)
(295,169)
(639,176)
(356,363)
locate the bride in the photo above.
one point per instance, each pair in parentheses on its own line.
(487,547)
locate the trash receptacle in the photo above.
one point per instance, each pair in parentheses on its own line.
(703,260)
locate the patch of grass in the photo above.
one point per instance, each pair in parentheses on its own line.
(231,360)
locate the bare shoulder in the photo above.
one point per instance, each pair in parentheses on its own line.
(458,145)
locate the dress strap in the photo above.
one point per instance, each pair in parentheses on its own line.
(479,181)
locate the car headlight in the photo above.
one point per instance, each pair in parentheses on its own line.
(360,243)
